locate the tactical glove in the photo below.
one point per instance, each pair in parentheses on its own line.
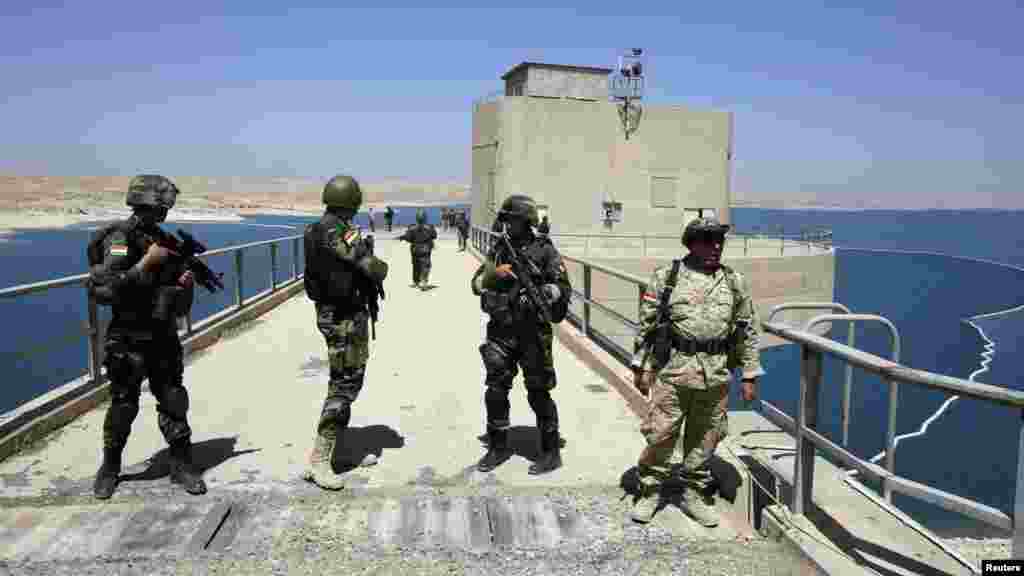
(552,292)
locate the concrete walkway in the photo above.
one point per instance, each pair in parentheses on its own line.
(255,398)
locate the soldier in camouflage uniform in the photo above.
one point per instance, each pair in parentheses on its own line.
(141,341)
(421,242)
(341,276)
(714,330)
(517,335)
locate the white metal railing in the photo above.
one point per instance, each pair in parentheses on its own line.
(804,426)
(806,242)
(93,328)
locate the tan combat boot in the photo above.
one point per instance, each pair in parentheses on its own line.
(695,507)
(319,471)
(646,504)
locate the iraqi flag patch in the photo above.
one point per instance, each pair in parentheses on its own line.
(650,297)
(351,236)
(118,249)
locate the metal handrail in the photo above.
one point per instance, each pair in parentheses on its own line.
(844,405)
(803,428)
(821,239)
(813,347)
(94,330)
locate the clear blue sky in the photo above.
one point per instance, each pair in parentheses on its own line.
(921,101)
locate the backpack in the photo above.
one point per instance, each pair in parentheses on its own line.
(311,239)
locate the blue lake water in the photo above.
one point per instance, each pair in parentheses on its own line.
(932,299)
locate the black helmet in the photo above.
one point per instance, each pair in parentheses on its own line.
(343,192)
(421,216)
(699,226)
(519,206)
(151,190)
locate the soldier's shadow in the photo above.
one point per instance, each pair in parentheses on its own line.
(524,442)
(355,444)
(206,455)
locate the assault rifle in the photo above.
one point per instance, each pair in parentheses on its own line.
(370,298)
(659,338)
(523,268)
(188,248)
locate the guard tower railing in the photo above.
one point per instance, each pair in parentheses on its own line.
(804,427)
(92,330)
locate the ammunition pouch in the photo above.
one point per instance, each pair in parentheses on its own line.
(101,286)
(688,346)
(171,302)
(373,268)
(497,304)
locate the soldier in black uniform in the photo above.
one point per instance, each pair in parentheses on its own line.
(421,242)
(517,335)
(389,217)
(462,227)
(148,290)
(341,277)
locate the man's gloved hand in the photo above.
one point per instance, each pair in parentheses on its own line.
(552,292)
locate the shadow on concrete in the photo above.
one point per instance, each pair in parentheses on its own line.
(523,440)
(206,455)
(355,444)
(725,483)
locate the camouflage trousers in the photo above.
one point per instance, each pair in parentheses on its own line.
(348,350)
(704,415)
(420,268)
(129,361)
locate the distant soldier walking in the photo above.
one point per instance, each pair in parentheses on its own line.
(462,227)
(524,288)
(373,225)
(389,217)
(544,228)
(344,279)
(421,243)
(148,290)
(698,325)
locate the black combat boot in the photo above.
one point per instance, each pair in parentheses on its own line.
(106,478)
(182,471)
(497,451)
(550,454)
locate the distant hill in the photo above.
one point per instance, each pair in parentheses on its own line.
(70,193)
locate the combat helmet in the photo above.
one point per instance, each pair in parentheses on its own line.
(519,206)
(343,192)
(421,216)
(151,190)
(698,226)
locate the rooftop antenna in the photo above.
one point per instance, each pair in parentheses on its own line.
(626,87)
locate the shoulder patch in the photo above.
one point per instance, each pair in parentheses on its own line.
(118,249)
(351,235)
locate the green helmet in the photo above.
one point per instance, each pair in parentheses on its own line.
(343,192)
(519,206)
(151,190)
(698,226)
(421,216)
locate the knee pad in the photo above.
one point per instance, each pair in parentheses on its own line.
(127,368)
(175,402)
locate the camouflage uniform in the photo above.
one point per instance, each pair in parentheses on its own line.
(337,255)
(516,335)
(138,345)
(715,329)
(421,242)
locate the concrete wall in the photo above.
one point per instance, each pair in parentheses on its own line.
(571,155)
(484,160)
(555,83)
